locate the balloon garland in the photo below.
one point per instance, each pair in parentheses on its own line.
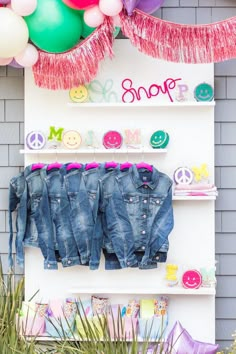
(77,66)
(64,40)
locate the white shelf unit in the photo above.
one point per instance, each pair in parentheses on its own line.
(191,129)
(174,290)
(93,151)
(157,105)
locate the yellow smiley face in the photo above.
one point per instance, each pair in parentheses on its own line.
(71,139)
(79,94)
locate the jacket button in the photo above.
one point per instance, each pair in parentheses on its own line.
(144,216)
(145,186)
(69,262)
(143,248)
(145,201)
(49,266)
(158,201)
(143,232)
(157,257)
(130,199)
(128,263)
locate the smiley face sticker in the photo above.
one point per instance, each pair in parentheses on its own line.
(191,279)
(79,94)
(159,139)
(112,140)
(204,92)
(71,139)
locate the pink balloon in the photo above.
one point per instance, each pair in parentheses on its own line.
(93,17)
(116,21)
(24,7)
(28,57)
(149,6)
(5,61)
(5,2)
(80,4)
(130,5)
(110,7)
(181,341)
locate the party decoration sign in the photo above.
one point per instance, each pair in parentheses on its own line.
(35,140)
(183,175)
(159,139)
(55,134)
(204,92)
(192,279)
(112,140)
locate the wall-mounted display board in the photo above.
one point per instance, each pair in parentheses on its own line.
(139,94)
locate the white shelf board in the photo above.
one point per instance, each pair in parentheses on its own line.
(92,151)
(73,339)
(142,104)
(175,290)
(190,198)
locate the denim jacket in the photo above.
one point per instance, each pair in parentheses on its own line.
(60,212)
(139,215)
(17,201)
(81,216)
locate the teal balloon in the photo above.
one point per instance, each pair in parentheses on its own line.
(116,31)
(54,27)
(87,30)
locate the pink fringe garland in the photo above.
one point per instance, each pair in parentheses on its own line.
(180,43)
(77,66)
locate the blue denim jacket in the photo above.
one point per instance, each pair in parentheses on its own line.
(60,216)
(148,199)
(17,201)
(118,241)
(139,215)
(81,216)
(39,213)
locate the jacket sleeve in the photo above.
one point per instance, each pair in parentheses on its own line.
(162,226)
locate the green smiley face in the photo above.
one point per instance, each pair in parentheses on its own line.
(204,92)
(159,139)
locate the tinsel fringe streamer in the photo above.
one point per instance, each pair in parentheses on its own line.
(169,41)
(77,66)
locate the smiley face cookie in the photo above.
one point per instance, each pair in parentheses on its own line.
(204,92)
(112,140)
(71,139)
(159,139)
(79,94)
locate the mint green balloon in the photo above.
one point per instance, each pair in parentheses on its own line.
(54,27)
(87,30)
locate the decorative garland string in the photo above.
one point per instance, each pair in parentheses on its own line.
(77,66)
(169,41)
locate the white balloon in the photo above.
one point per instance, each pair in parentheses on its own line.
(14,33)
(24,7)
(93,17)
(110,7)
(28,57)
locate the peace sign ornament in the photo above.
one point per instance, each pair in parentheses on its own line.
(35,140)
(183,175)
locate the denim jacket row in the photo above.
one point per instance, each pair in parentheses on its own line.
(75,215)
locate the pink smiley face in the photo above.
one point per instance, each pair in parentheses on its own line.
(192,279)
(112,140)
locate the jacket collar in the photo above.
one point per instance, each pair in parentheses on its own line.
(139,183)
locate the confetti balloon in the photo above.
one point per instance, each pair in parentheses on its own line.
(80,4)
(54,27)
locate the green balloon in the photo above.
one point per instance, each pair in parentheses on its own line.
(54,27)
(116,31)
(87,30)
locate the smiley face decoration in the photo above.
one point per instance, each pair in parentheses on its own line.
(159,139)
(112,140)
(192,279)
(204,92)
